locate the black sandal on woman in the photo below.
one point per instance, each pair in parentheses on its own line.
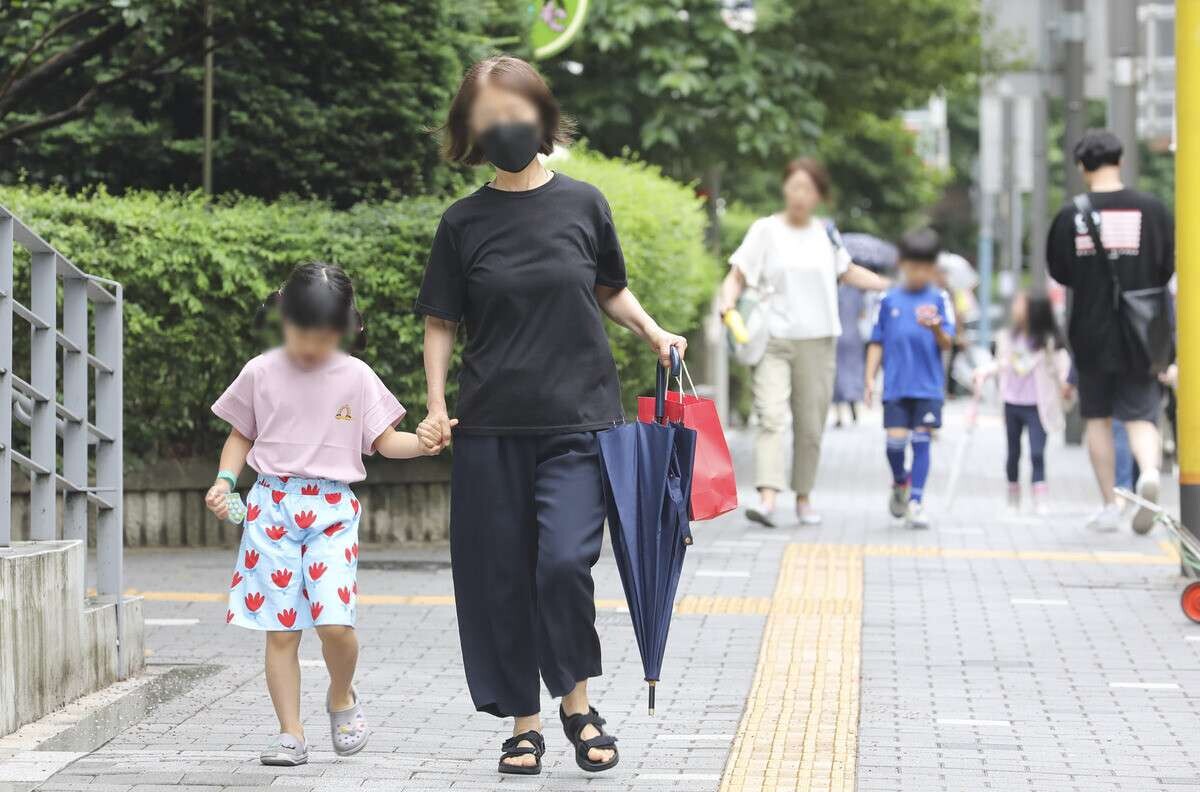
(573,726)
(512,748)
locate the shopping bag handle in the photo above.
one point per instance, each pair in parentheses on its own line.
(660,385)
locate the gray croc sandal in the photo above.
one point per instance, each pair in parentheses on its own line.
(285,751)
(348,727)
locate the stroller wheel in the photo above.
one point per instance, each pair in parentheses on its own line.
(1189,601)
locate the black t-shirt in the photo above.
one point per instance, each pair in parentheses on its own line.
(520,269)
(1138,227)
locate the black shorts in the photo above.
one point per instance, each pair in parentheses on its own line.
(1127,397)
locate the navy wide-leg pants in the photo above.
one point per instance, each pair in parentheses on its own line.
(526,526)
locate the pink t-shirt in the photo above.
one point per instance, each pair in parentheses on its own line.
(312,423)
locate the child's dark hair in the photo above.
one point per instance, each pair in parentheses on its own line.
(921,245)
(317,295)
(1041,327)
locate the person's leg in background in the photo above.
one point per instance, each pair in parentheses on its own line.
(897,450)
(1145,444)
(1123,456)
(1013,424)
(814,366)
(772,392)
(1097,390)
(1037,456)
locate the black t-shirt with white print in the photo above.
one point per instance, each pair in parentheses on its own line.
(1133,224)
(519,269)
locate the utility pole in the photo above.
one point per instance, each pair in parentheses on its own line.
(1122,85)
(207,167)
(1074,30)
(1039,207)
(1187,242)
(991,123)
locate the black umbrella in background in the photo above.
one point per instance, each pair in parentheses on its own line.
(871,251)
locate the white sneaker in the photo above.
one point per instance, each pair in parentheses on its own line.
(916,517)
(1147,487)
(1107,520)
(807,515)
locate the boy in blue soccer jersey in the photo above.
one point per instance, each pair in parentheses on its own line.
(915,323)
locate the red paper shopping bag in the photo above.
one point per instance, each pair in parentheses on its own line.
(714,489)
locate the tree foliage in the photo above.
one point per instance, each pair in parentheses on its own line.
(671,81)
(334,100)
(194,272)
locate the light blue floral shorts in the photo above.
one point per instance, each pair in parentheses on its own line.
(297,566)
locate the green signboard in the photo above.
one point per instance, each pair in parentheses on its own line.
(555,25)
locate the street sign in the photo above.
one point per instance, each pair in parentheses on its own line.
(555,25)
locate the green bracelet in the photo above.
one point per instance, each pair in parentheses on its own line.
(232,479)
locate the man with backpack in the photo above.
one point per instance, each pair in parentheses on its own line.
(1114,247)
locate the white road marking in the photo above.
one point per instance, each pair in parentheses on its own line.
(1145,685)
(737,543)
(695,737)
(722,573)
(35,766)
(960,531)
(775,535)
(1191,638)
(1027,601)
(170,622)
(678,777)
(972,722)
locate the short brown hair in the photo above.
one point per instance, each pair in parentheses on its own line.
(815,170)
(517,76)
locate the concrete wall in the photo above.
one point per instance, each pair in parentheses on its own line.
(404,502)
(54,646)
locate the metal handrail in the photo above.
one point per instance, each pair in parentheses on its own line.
(88,422)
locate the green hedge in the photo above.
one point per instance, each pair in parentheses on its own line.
(194,273)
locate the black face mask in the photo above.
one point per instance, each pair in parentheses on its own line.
(511,146)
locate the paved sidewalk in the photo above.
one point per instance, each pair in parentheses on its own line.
(991,652)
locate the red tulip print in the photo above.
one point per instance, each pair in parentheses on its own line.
(278,495)
(237,578)
(276,532)
(354,505)
(252,512)
(303,550)
(316,570)
(349,556)
(354,548)
(281,577)
(251,558)
(304,592)
(287,618)
(263,483)
(254,602)
(310,489)
(344,594)
(305,519)
(333,498)
(228,616)
(315,609)
(331,530)
(284,479)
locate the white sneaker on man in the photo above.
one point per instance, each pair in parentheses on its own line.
(807,515)
(1107,520)
(1148,485)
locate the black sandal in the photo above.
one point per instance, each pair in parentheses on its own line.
(573,726)
(512,748)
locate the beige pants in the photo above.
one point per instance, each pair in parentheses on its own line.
(799,375)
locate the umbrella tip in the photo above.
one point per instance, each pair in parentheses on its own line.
(650,709)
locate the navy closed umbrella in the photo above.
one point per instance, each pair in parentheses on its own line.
(647,469)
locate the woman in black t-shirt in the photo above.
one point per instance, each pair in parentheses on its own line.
(530,262)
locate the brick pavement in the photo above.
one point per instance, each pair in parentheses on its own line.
(995,652)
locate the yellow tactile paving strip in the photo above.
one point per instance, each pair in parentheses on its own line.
(800,727)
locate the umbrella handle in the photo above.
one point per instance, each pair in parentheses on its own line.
(660,385)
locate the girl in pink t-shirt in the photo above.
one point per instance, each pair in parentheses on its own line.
(303,415)
(1032,365)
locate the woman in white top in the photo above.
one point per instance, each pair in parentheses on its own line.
(795,261)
